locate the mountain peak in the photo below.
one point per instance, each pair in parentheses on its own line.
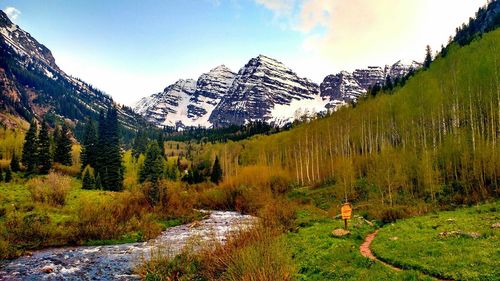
(220,69)
(4,19)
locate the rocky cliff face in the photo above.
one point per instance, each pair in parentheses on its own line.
(261,85)
(33,85)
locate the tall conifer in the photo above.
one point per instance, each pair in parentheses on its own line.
(63,147)
(30,148)
(44,156)
(89,145)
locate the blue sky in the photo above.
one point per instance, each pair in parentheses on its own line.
(131,49)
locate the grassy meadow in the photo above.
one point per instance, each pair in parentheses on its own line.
(458,245)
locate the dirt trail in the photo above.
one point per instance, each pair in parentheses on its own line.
(367,252)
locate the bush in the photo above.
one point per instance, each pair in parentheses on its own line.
(390,215)
(51,190)
(73,171)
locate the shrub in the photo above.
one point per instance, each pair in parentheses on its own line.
(73,171)
(390,215)
(51,190)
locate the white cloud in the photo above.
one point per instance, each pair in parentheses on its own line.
(279,7)
(12,13)
(347,34)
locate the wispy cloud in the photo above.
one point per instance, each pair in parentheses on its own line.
(12,13)
(279,7)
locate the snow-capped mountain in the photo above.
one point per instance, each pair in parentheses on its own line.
(260,86)
(31,83)
(348,87)
(263,90)
(187,102)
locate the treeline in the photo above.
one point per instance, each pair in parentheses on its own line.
(223,134)
(435,139)
(487,19)
(42,148)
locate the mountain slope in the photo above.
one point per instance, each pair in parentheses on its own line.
(32,84)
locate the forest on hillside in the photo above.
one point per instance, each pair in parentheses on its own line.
(435,139)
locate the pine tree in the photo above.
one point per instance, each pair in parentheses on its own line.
(140,143)
(44,156)
(14,163)
(428,57)
(8,175)
(153,167)
(216,175)
(88,180)
(63,148)
(30,148)
(110,167)
(89,146)
(98,182)
(101,158)
(1,175)
(161,144)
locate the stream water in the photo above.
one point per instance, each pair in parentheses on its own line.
(117,262)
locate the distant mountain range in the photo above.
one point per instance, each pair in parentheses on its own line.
(264,89)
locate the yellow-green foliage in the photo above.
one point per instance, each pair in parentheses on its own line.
(132,167)
(436,138)
(11,141)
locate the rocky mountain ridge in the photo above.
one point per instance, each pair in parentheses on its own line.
(262,90)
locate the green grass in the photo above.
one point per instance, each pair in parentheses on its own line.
(321,256)
(415,243)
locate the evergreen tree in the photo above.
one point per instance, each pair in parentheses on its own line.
(63,148)
(428,57)
(30,148)
(216,175)
(89,145)
(98,182)
(8,175)
(161,144)
(44,157)
(1,175)
(153,167)
(88,180)
(101,158)
(109,165)
(14,163)
(140,143)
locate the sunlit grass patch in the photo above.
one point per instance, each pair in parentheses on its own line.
(461,244)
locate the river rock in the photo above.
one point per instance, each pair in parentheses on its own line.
(340,232)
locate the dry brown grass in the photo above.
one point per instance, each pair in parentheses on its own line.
(124,213)
(51,190)
(257,254)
